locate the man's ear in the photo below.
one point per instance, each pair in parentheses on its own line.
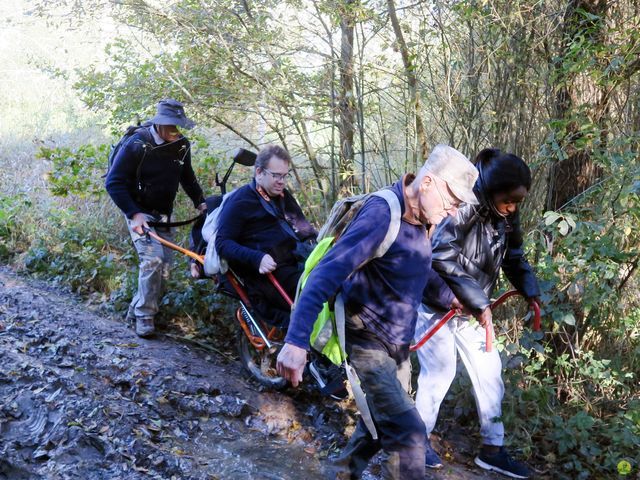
(425,182)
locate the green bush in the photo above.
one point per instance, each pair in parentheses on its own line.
(76,171)
(76,253)
(13,210)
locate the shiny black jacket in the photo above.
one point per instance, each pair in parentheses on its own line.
(470,248)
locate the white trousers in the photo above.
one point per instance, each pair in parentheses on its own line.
(438,369)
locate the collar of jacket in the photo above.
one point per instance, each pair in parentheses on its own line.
(278,212)
(153,137)
(288,212)
(268,202)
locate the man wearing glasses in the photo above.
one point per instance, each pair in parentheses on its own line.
(262,229)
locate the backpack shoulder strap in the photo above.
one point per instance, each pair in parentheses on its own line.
(147,145)
(394,224)
(358,394)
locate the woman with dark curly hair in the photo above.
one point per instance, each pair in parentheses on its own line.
(468,252)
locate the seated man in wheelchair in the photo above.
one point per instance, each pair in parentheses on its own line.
(263,230)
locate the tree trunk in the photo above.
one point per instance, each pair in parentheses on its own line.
(412,81)
(346,104)
(577,98)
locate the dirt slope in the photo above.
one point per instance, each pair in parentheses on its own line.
(81,396)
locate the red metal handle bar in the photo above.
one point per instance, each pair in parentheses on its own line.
(200,258)
(488,329)
(281,291)
(488,336)
(233,280)
(449,315)
(536,308)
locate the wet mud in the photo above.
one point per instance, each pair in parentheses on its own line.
(82,397)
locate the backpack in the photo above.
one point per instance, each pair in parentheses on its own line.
(213,262)
(324,337)
(115,148)
(197,243)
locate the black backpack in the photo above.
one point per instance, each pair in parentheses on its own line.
(115,148)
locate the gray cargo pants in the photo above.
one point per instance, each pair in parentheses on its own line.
(153,270)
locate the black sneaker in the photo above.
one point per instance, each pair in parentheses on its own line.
(431,458)
(330,379)
(502,462)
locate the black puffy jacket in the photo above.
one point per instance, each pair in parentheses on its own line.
(470,248)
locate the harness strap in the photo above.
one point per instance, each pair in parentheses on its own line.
(358,394)
(175,224)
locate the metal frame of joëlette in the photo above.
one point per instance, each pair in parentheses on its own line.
(262,340)
(488,328)
(259,341)
(243,315)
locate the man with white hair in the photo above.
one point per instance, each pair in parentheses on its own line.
(381,296)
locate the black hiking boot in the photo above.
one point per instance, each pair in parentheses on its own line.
(145,327)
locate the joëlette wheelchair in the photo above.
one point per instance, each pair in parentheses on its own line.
(258,341)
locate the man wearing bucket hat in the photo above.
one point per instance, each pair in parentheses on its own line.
(143,182)
(381,296)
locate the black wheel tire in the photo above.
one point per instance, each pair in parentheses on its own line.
(253,360)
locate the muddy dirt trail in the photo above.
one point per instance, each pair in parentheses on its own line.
(82,397)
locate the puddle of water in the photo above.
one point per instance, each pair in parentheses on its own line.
(238,457)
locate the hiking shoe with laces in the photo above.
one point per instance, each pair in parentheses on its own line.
(330,379)
(144,326)
(431,458)
(502,462)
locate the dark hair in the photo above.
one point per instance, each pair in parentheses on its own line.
(501,172)
(264,155)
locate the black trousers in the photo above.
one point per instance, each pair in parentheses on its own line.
(266,299)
